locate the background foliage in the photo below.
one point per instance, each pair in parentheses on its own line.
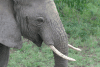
(81,19)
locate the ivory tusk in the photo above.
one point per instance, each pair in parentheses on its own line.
(74,47)
(60,54)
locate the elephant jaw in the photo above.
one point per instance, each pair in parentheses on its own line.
(62,55)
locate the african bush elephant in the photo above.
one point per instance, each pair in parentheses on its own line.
(36,20)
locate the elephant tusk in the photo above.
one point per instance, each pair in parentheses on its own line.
(74,47)
(60,54)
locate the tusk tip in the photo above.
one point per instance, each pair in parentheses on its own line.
(79,49)
(72,59)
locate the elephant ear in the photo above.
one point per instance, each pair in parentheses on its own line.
(9,31)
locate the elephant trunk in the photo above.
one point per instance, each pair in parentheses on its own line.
(54,35)
(61,44)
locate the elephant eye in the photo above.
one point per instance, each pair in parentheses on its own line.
(40,19)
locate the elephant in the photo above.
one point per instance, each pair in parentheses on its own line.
(36,20)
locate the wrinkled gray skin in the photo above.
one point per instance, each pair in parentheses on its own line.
(36,20)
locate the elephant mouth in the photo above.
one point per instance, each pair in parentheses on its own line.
(37,40)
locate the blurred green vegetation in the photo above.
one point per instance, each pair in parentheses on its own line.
(80,24)
(81,20)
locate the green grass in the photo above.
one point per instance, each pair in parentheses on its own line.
(83,29)
(90,55)
(31,56)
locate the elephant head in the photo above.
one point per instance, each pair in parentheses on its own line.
(36,20)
